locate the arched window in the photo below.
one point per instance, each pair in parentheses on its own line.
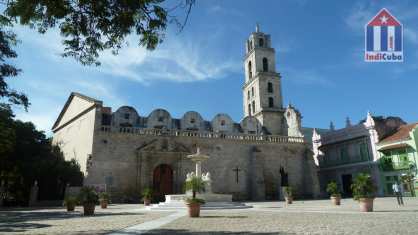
(250,70)
(248,46)
(270,87)
(265,64)
(261,42)
(248,94)
(252,91)
(253,108)
(271,102)
(249,109)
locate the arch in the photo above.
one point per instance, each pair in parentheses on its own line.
(125,116)
(271,102)
(250,70)
(265,64)
(222,123)
(270,87)
(251,125)
(191,120)
(159,119)
(162,181)
(261,42)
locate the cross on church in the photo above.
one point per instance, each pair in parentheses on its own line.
(237,170)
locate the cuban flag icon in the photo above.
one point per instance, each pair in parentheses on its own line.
(384,38)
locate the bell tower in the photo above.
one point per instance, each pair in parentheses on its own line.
(262,88)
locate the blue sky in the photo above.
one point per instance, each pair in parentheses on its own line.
(319,53)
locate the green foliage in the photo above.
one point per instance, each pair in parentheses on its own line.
(147,193)
(91,26)
(288,191)
(70,200)
(104,196)
(332,189)
(26,156)
(363,186)
(195,200)
(88,195)
(196,185)
(8,40)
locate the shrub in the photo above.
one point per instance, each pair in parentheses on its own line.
(288,191)
(332,189)
(196,185)
(104,196)
(147,193)
(363,187)
(88,195)
(195,200)
(70,200)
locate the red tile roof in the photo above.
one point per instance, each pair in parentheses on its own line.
(401,134)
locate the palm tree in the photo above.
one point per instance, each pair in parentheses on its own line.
(196,185)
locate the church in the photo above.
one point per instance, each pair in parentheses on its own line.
(124,151)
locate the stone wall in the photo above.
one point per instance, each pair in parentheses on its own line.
(127,161)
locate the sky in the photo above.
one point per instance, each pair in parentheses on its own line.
(319,54)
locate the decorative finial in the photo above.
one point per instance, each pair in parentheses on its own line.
(347,122)
(257,28)
(331,126)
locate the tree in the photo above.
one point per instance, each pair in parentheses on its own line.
(8,96)
(91,26)
(30,157)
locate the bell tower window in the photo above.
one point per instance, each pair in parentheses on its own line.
(270,87)
(253,106)
(250,70)
(271,102)
(261,42)
(249,109)
(265,65)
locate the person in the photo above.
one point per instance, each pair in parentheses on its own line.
(398,192)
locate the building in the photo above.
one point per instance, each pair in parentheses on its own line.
(399,157)
(343,153)
(127,152)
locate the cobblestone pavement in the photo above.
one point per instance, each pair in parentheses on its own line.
(302,217)
(307,217)
(58,221)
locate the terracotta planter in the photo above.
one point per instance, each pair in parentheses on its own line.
(366,204)
(336,200)
(70,207)
(289,200)
(103,204)
(194,209)
(89,208)
(147,201)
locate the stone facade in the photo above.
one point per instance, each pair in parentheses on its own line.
(342,154)
(129,152)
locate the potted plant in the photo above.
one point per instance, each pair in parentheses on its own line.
(88,198)
(104,199)
(332,189)
(364,191)
(70,202)
(147,196)
(196,185)
(288,194)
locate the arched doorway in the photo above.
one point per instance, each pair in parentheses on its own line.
(162,181)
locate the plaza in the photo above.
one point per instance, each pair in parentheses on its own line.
(269,217)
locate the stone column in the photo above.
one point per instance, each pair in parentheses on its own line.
(199,169)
